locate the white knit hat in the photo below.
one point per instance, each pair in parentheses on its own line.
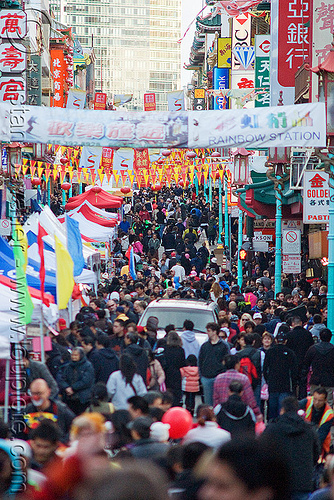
(160,431)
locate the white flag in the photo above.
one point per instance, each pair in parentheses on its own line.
(76,99)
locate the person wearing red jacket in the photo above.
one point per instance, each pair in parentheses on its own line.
(190,381)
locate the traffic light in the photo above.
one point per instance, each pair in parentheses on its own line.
(243,254)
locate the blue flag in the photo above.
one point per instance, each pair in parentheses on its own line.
(74,245)
(132,265)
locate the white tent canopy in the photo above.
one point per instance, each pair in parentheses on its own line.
(52,225)
(86,276)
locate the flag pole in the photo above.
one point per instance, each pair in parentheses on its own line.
(6,409)
(41,333)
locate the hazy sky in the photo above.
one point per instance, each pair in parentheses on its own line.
(190,8)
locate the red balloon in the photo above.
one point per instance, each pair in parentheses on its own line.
(180,421)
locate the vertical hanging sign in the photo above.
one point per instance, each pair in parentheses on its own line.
(58,69)
(149,102)
(241,36)
(220,81)
(262,70)
(34,81)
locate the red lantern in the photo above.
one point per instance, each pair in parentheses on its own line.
(165,152)
(63,161)
(161,161)
(217,175)
(184,184)
(125,190)
(191,154)
(215,154)
(96,189)
(36,181)
(66,186)
(156,187)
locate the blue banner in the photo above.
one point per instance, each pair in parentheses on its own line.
(221,80)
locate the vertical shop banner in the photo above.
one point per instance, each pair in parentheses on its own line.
(123,160)
(291,45)
(58,71)
(107,158)
(149,102)
(13,89)
(12,59)
(13,24)
(34,81)
(241,36)
(199,100)
(76,99)
(224,52)
(220,82)
(262,69)
(91,158)
(315,197)
(141,159)
(295,42)
(322,36)
(100,101)
(175,100)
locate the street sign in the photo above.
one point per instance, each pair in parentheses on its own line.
(291,241)
(5,227)
(315,197)
(292,224)
(292,264)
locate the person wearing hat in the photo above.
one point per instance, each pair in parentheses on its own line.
(280,371)
(146,446)
(257,318)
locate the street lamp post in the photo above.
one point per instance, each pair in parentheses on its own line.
(226,230)
(241,173)
(276,172)
(220,207)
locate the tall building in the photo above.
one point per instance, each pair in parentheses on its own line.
(135,44)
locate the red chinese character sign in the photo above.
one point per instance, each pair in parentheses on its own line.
(58,71)
(12,58)
(315,197)
(294,38)
(13,24)
(12,89)
(100,100)
(149,102)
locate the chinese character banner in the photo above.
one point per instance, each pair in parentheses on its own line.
(300,125)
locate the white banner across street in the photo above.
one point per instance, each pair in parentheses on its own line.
(299,125)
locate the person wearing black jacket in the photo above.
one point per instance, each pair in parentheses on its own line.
(299,442)
(280,373)
(299,340)
(320,357)
(168,240)
(174,359)
(106,361)
(210,360)
(137,353)
(234,415)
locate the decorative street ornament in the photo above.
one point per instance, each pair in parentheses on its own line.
(245,55)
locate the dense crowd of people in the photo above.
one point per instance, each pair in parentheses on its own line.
(246,414)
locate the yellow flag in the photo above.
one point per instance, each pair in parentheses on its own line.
(65,281)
